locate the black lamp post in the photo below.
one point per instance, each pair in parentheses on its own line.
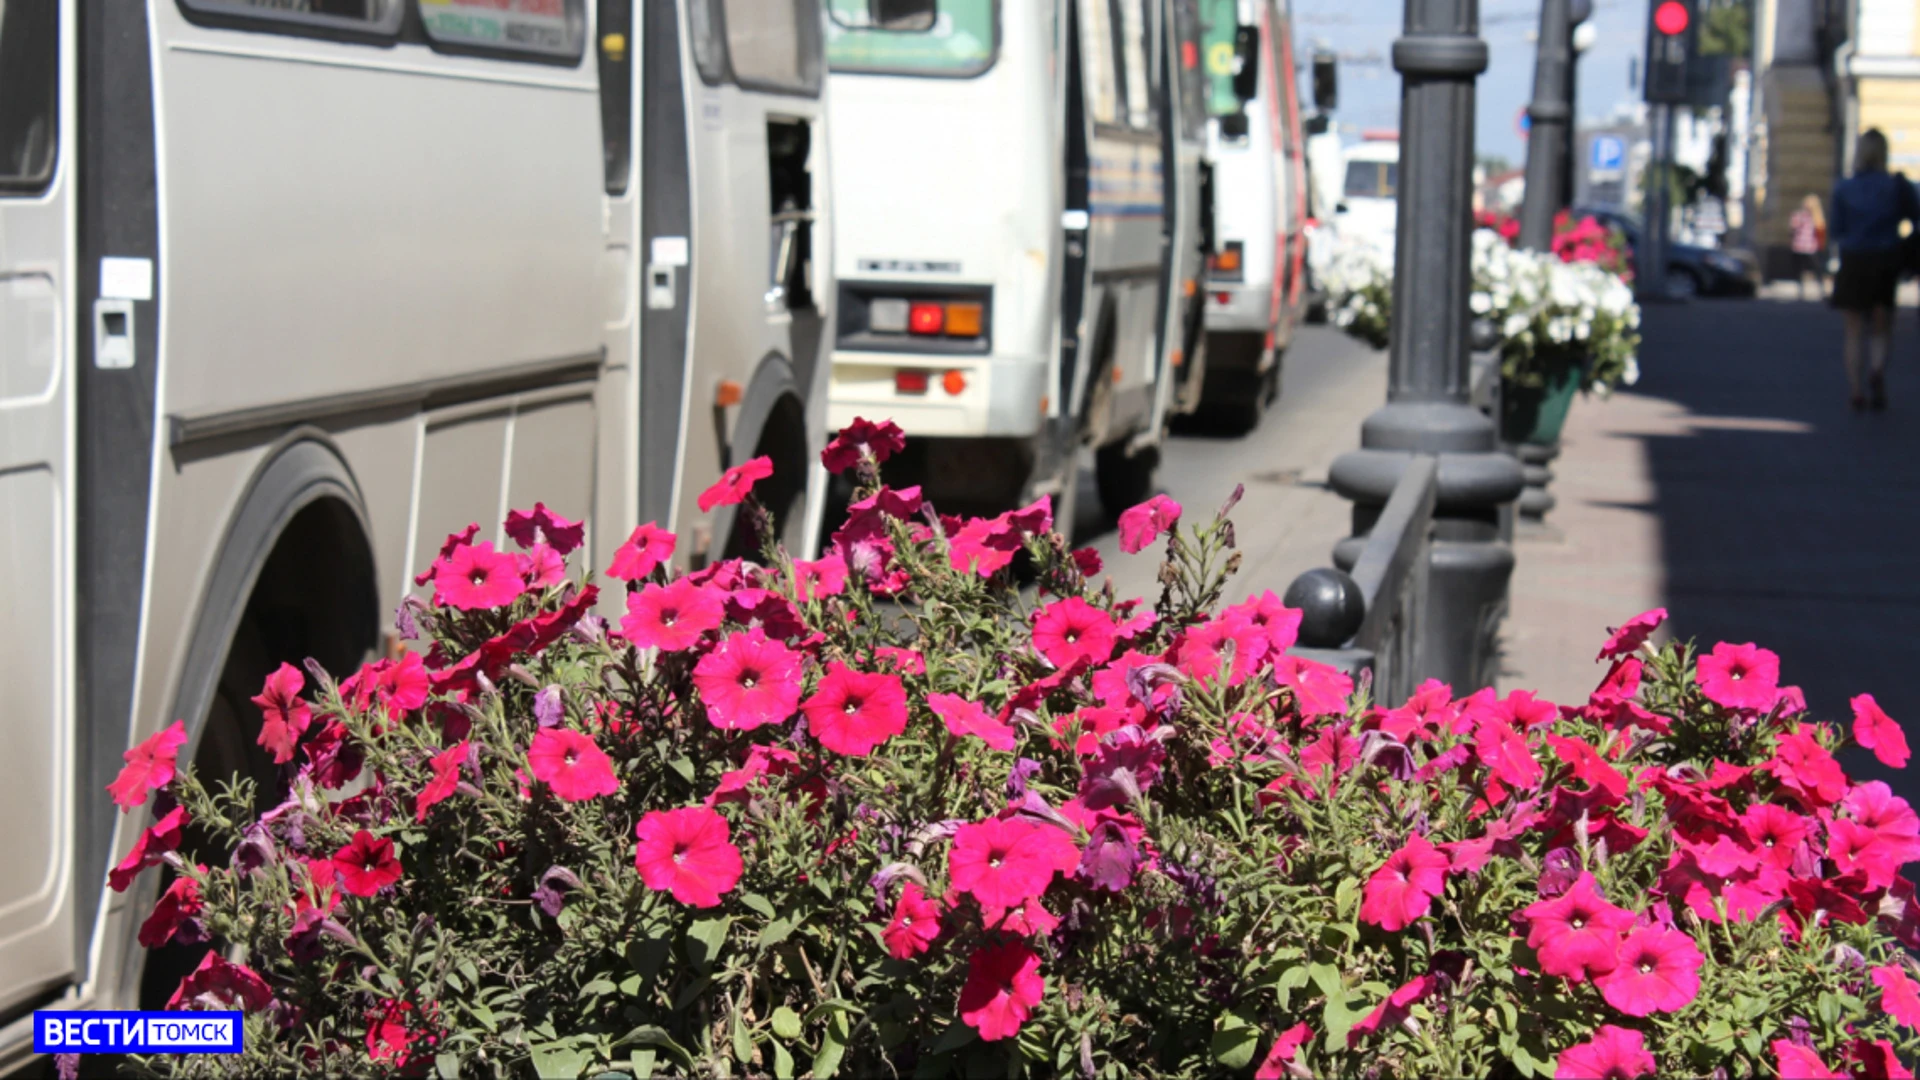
(1548,134)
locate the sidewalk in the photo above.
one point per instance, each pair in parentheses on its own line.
(1735,487)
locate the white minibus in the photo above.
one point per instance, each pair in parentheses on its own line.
(1011,244)
(291,289)
(1256,273)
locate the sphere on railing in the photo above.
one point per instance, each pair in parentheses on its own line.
(1331,605)
(1483,334)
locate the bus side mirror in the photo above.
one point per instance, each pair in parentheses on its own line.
(1246,49)
(910,15)
(1318,124)
(1326,82)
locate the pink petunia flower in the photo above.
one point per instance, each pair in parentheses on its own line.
(1773,833)
(1142,525)
(446,776)
(1614,1053)
(1795,1062)
(1318,689)
(915,923)
(571,764)
(823,577)
(366,865)
(1389,1013)
(1072,629)
(223,984)
(1656,970)
(1878,732)
(1403,888)
(1003,985)
(984,546)
(1806,769)
(1003,862)
(1739,676)
(964,717)
(1590,768)
(735,484)
(1028,918)
(1632,634)
(672,617)
(1621,685)
(851,712)
(1577,933)
(1087,561)
(1279,623)
(1231,641)
(648,547)
(1285,1049)
(1876,1061)
(1428,712)
(454,542)
(542,526)
(1506,755)
(1900,997)
(284,716)
(150,766)
(748,680)
(179,903)
(541,568)
(476,577)
(861,438)
(688,852)
(150,849)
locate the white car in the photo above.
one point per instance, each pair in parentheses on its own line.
(1368,202)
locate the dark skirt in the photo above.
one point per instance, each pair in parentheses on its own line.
(1867,279)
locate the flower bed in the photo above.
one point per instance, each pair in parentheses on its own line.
(886,813)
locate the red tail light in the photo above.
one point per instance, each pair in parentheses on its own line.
(927,319)
(910,380)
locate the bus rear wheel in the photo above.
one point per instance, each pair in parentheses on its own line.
(1124,480)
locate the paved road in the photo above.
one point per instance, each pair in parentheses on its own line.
(1287,522)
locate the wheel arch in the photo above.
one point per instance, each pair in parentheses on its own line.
(772,421)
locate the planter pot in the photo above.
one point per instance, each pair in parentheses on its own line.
(1535,414)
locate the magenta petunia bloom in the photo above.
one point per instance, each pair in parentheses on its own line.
(672,617)
(1632,634)
(1087,561)
(1072,629)
(1656,970)
(748,680)
(1004,861)
(688,852)
(179,903)
(542,567)
(569,763)
(862,437)
(1795,1062)
(1142,525)
(150,766)
(1900,997)
(1590,768)
(1003,985)
(984,546)
(1318,689)
(1398,1006)
(851,712)
(964,717)
(735,484)
(1614,1053)
(476,577)
(1202,651)
(1285,1049)
(1279,623)
(366,865)
(542,526)
(284,716)
(1773,833)
(1739,676)
(150,849)
(823,577)
(648,547)
(915,923)
(446,776)
(1402,890)
(1878,732)
(1577,933)
(1806,769)
(223,984)
(1876,1061)
(1506,755)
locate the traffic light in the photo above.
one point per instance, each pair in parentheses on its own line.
(1670,34)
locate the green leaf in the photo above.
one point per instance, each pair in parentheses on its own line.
(600,987)
(775,932)
(1290,980)
(786,1023)
(684,767)
(782,1063)
(630,986)
(558,1061)
(1346,898)
(1720,1034)
(642,1061)
(1234,1041)
(833,1046)
(704,939)
(485,1016)
(758,903)
(1327,978)
(447,1065)
(742,1041)
(1524,1061)
(957,1035)
(647,1035)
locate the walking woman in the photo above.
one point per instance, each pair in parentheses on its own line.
(1809,225)
(1868,208)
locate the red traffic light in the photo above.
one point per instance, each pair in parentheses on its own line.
(1671,18)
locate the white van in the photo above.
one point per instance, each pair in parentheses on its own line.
(1369,194)
(1008,264)
(288,292)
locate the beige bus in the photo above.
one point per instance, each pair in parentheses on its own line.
(289,290)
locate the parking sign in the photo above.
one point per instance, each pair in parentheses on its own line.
(1607,153)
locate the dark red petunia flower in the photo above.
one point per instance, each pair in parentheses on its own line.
(149,850)
(1003,985)
(284,715)
(863,437)
(366,865)
(179,903)
(149,766)
(223,984)
(446,776)
(541,525)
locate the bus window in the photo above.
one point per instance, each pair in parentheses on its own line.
(1098,48)
(1187,62)
(615,26)
(961,40)
(353,18)
(1372,179)
(774,44)
(1219,19)
(29,90)
(1131,25)
(550,30)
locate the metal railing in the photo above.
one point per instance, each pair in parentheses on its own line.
(1370,615)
